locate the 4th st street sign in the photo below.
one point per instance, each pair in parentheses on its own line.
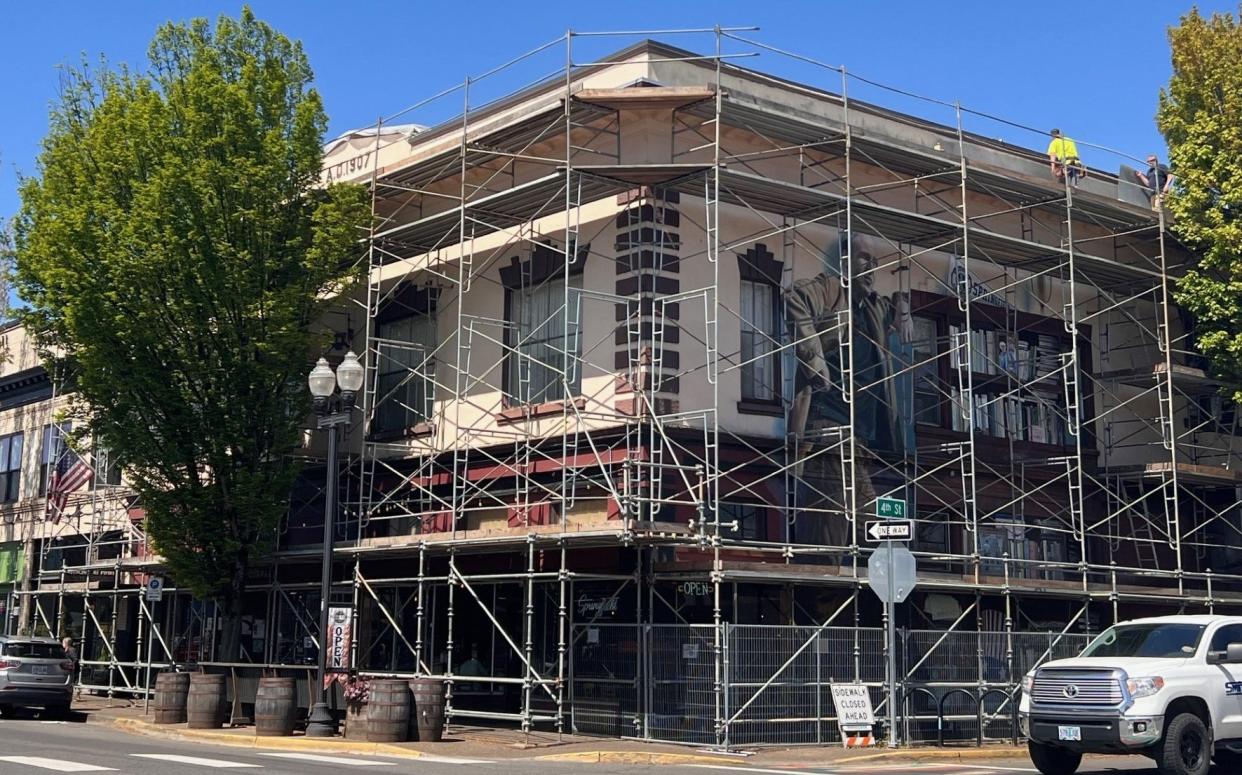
(890,508)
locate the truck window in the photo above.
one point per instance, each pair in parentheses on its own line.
(1147,640)
(1230,633)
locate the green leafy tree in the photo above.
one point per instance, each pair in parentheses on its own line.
(177,251)
(1201,117)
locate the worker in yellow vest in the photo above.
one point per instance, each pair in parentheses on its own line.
(1063,156)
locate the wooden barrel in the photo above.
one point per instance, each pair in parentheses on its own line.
(204,705)
(388,711)
(170,692)
(427,714)
(275,707)
(355,722)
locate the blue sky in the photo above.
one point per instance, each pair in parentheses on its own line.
(1091,68)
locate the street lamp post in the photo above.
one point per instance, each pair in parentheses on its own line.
(333,412)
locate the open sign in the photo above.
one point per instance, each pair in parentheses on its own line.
(340,622)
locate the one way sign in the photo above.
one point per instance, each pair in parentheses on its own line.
(890,530)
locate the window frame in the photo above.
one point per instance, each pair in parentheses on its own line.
(1212,650)
(410,416)
(771,338)
(935,373)
(545,270)
(760,267)
(107,473)
(47,463)
(10,476)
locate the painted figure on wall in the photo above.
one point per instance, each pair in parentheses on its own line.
(882,331)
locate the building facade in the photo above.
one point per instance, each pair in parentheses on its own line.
(648,344)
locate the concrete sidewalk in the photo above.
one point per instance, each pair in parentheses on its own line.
(490,743)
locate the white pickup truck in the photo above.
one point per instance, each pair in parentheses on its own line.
(1168,687)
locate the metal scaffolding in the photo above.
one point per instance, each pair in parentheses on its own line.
(598,487)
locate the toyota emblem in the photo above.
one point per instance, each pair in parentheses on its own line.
(1070,691)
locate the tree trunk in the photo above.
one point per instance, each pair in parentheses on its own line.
(232,607)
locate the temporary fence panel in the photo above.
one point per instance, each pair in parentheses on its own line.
(681,683)
(604,690)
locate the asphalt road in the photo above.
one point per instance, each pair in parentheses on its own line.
(29,746)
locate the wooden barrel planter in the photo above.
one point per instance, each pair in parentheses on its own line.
(275,707)
(427,714)
(356,721)
(170,696)
(388,711)
(204,706)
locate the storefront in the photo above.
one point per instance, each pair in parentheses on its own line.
(10,574)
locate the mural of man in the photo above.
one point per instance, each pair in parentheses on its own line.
(882,331)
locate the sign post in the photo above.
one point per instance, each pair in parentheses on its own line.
(153,592)
(891,575)
(892,646)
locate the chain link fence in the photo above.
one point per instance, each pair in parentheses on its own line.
(773,686)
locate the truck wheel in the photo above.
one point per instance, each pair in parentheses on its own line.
(1186,748)
(1051,760)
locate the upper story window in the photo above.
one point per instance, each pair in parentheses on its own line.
(107,472)
(55,443)
(544,338)
(759,309)
(751,521)
(928,391)
(11,467)
(404,347)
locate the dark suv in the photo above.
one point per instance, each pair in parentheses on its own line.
(34,672)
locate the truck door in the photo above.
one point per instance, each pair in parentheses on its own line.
(1227,691)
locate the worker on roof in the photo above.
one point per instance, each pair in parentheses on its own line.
(1063,156)
(1157,181)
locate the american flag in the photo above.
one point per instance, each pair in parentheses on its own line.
(72,473)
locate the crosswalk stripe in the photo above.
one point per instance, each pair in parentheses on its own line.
(339,760)
(433,759)
(58,765)
(728,768)
(216,763)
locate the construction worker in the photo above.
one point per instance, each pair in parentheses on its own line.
(1157,181)
(1063,156)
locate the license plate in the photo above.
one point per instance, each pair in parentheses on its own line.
(40,670)
(1069,733)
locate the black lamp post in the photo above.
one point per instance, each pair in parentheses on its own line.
(333,411)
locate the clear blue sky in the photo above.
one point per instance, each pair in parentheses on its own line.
(1090,68)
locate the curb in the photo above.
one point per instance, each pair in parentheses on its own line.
(299,743)
(633,757)
(147,729)
(997,752)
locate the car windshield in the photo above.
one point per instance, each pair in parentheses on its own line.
(30,650)
(1147,640)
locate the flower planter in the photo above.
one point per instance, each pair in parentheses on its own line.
(356,721)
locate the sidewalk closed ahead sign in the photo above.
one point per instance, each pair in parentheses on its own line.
(853,704)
